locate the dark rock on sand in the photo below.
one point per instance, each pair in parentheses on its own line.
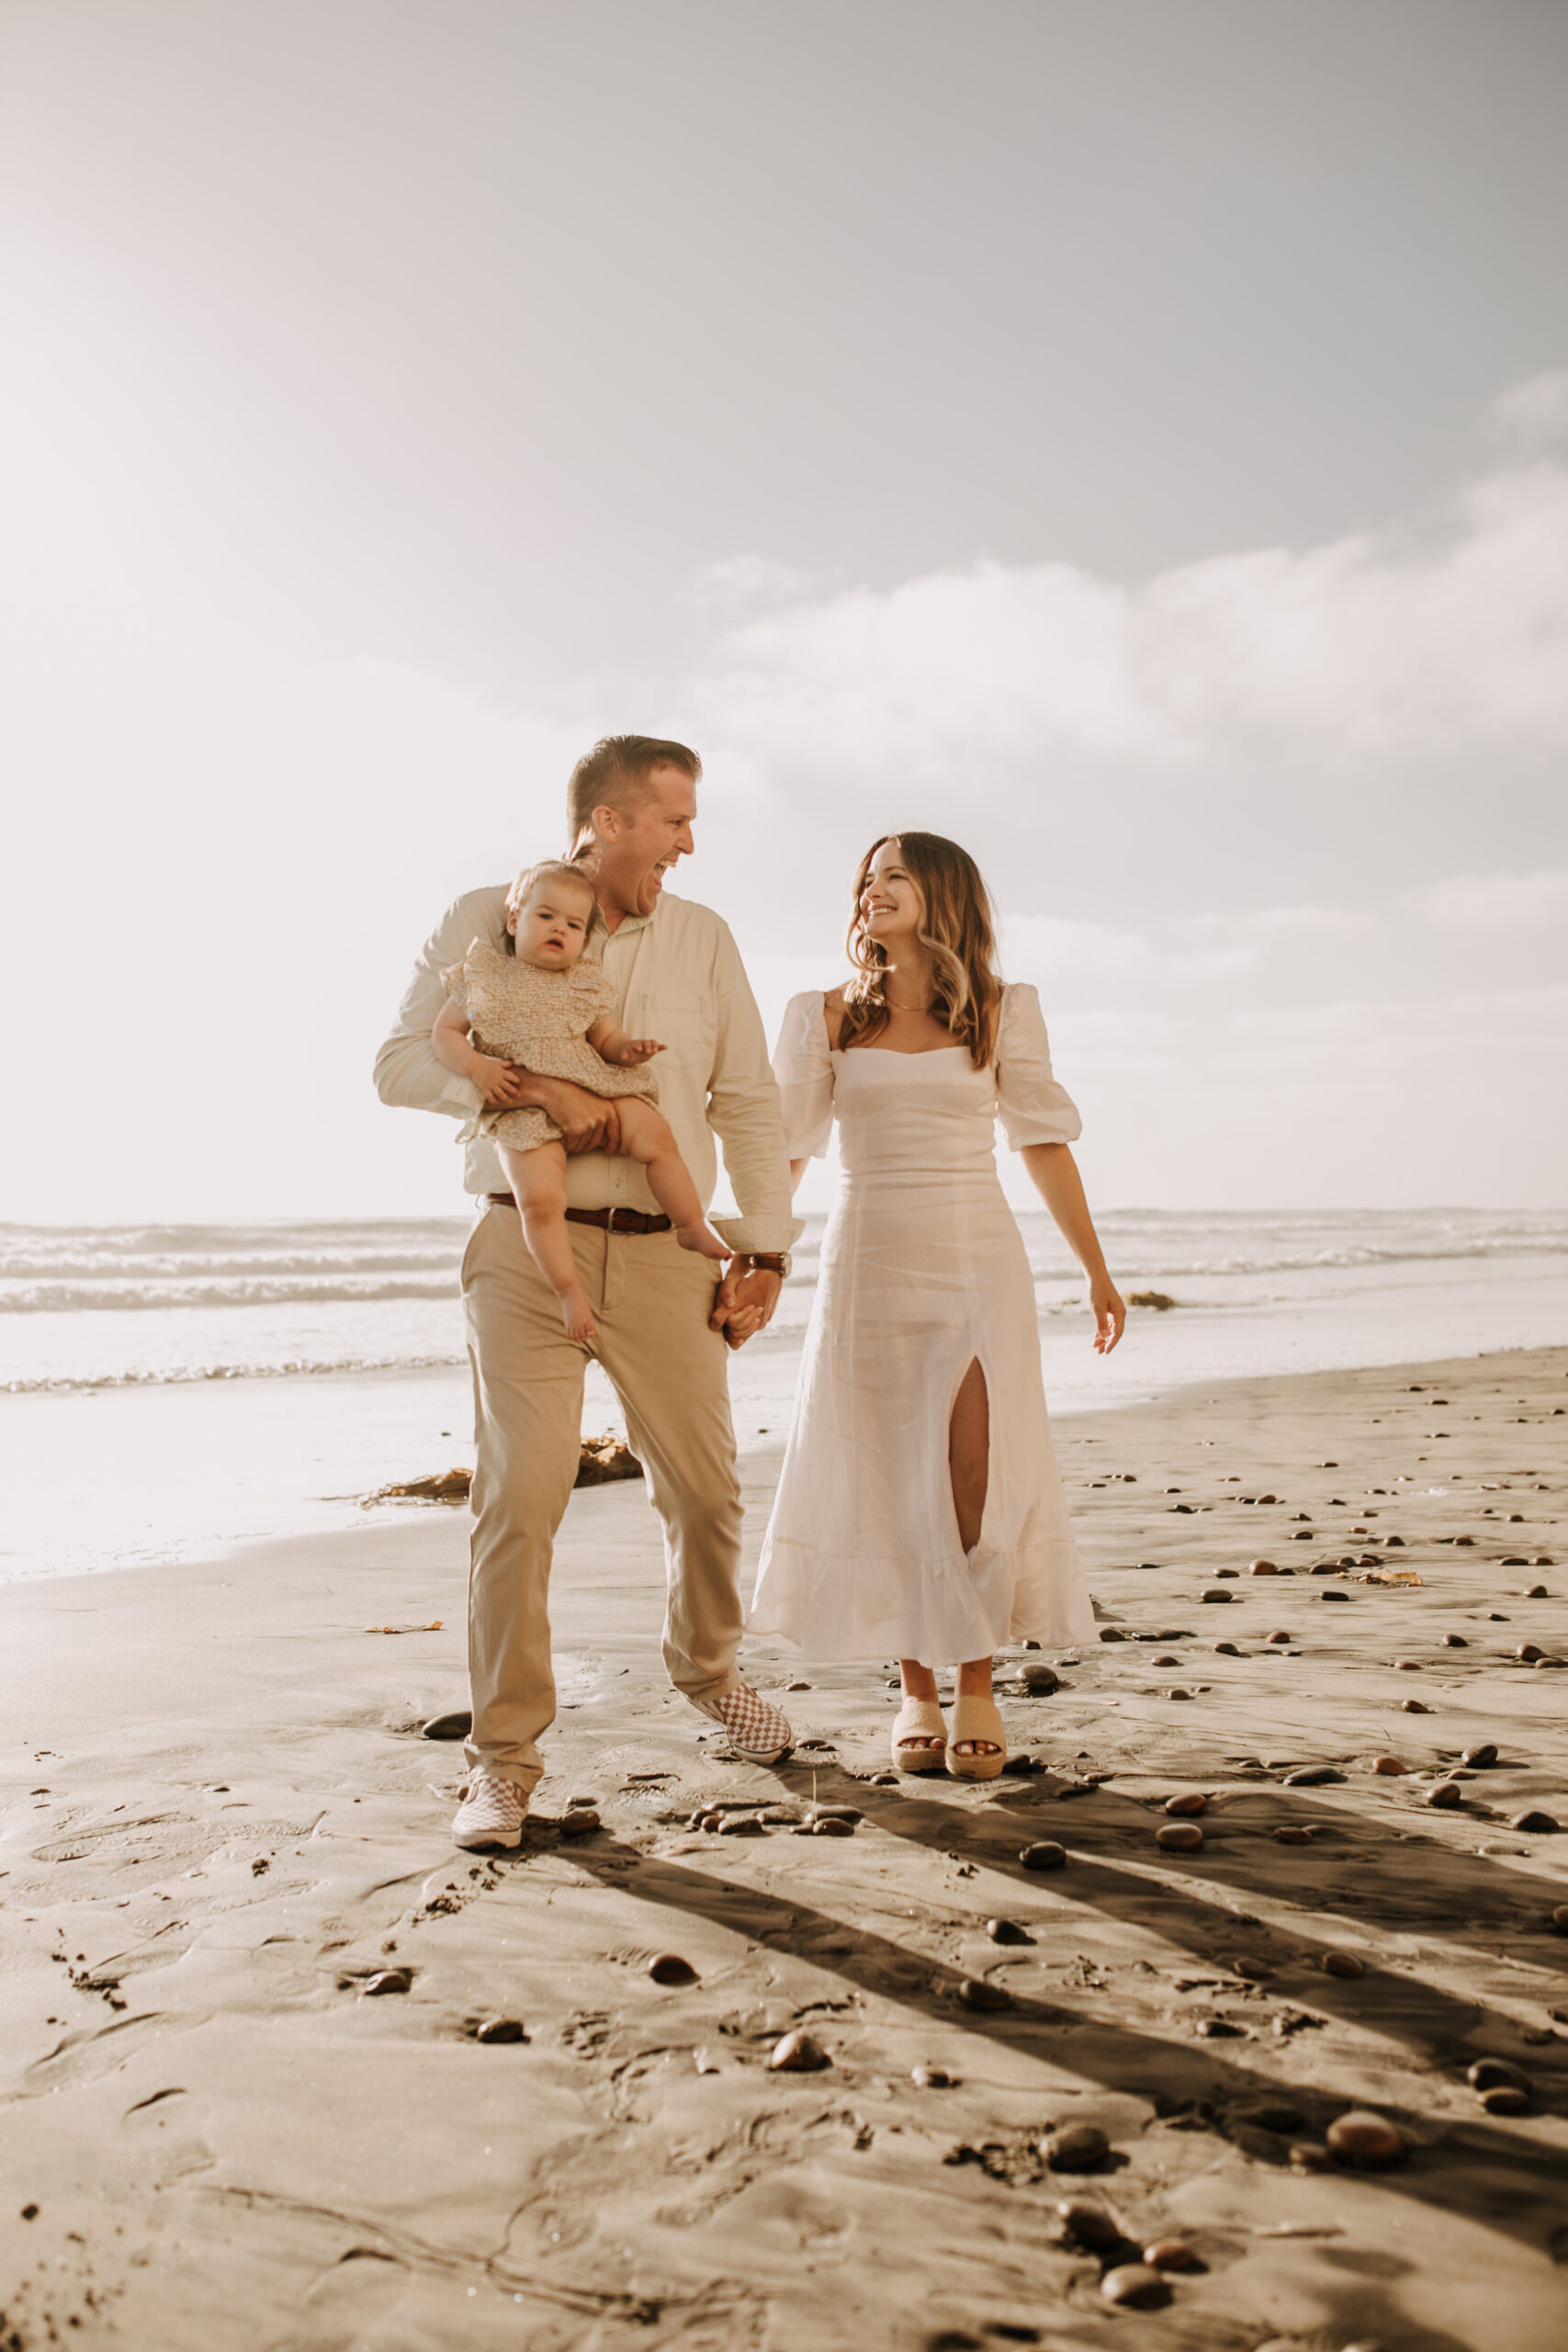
(1415,1707)
(1039,1682)
(1115,1632)
(1560,1919)
(1311,1776)
(1089,2226)
(578,1821)
(1495,2074)
(931,2078)
(1448,1796)
(1179,1838)
(456,1725)
(1226,1649)
(501,2029)
(1082,2147)
(1479,1758)
(671,1968)
(1134,2284)
(1179,1807)
(1505,2100)
(1008,1931)
(1362,2138)
(979,1993)
(1213,1593)
(388,1980)
(1342,1963)
(1455,1642)
(1045,1855)
(1169,2254)
(797,2053)
(1537,1824)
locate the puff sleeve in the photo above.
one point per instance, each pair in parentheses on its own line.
(455,980)
(804,1069)
(1032,1106)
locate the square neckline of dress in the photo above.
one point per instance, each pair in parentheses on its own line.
(919,1054)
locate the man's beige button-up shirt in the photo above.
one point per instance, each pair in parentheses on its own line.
(677,975)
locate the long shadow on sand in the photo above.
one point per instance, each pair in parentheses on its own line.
(1469,2169)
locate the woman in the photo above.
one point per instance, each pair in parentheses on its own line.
(919,1511)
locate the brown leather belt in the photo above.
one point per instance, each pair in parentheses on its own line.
(607,1220)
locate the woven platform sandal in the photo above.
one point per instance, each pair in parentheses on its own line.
(919,1737)
(977,1719)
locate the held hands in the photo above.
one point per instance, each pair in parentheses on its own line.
(744,1302)
(1109,1314)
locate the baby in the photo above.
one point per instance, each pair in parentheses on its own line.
(550,1006)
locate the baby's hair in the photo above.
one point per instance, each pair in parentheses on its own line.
(556,869)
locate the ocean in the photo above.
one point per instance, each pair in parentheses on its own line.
(168,1392)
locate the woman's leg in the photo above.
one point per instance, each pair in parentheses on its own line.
(969,1469)
(538,1178)
(645,1136)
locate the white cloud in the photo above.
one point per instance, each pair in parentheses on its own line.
(1535,411)
(1370,646)
(1499,901)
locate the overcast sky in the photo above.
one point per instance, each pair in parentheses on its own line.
(1130,435)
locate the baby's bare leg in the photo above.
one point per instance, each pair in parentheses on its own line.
(538,1178)
(647,1139)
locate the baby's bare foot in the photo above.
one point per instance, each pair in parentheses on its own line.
(707,1244)
(576,1316)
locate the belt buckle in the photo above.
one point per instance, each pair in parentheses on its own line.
(614,1227)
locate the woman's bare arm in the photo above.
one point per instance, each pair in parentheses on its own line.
(1055,1174)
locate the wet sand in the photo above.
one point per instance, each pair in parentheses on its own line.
(221,1821)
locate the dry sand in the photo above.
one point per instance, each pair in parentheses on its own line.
(220,1817)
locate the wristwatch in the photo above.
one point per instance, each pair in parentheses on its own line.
(770,1262)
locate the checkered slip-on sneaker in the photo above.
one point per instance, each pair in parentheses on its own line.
(492,1814)
(757,1731)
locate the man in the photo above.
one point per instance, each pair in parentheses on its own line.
(662,1330)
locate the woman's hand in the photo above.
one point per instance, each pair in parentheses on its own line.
(501,1083)
(1109,1314)
(744,1302)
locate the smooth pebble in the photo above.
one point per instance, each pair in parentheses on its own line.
(797,2053)
(1360,2137)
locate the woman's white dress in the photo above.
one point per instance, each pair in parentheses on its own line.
(924,1272)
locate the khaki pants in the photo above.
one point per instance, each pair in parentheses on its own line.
(651,1300)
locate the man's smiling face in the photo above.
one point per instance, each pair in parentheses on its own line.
(635,852)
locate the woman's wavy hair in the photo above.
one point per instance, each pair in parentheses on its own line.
(958,931)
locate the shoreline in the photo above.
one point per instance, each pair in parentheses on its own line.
(208,1468)
(219,1819)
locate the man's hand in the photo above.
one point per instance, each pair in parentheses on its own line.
(744,1303)
(587,1122)
(500,1082)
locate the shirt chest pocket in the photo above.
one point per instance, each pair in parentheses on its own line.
(684,1025)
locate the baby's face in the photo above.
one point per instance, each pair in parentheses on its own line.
(552,925)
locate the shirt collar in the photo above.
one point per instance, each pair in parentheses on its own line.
(601,935)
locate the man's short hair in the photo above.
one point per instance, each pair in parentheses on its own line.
(615,775)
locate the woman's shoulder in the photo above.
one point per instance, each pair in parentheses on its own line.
(811,1021)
